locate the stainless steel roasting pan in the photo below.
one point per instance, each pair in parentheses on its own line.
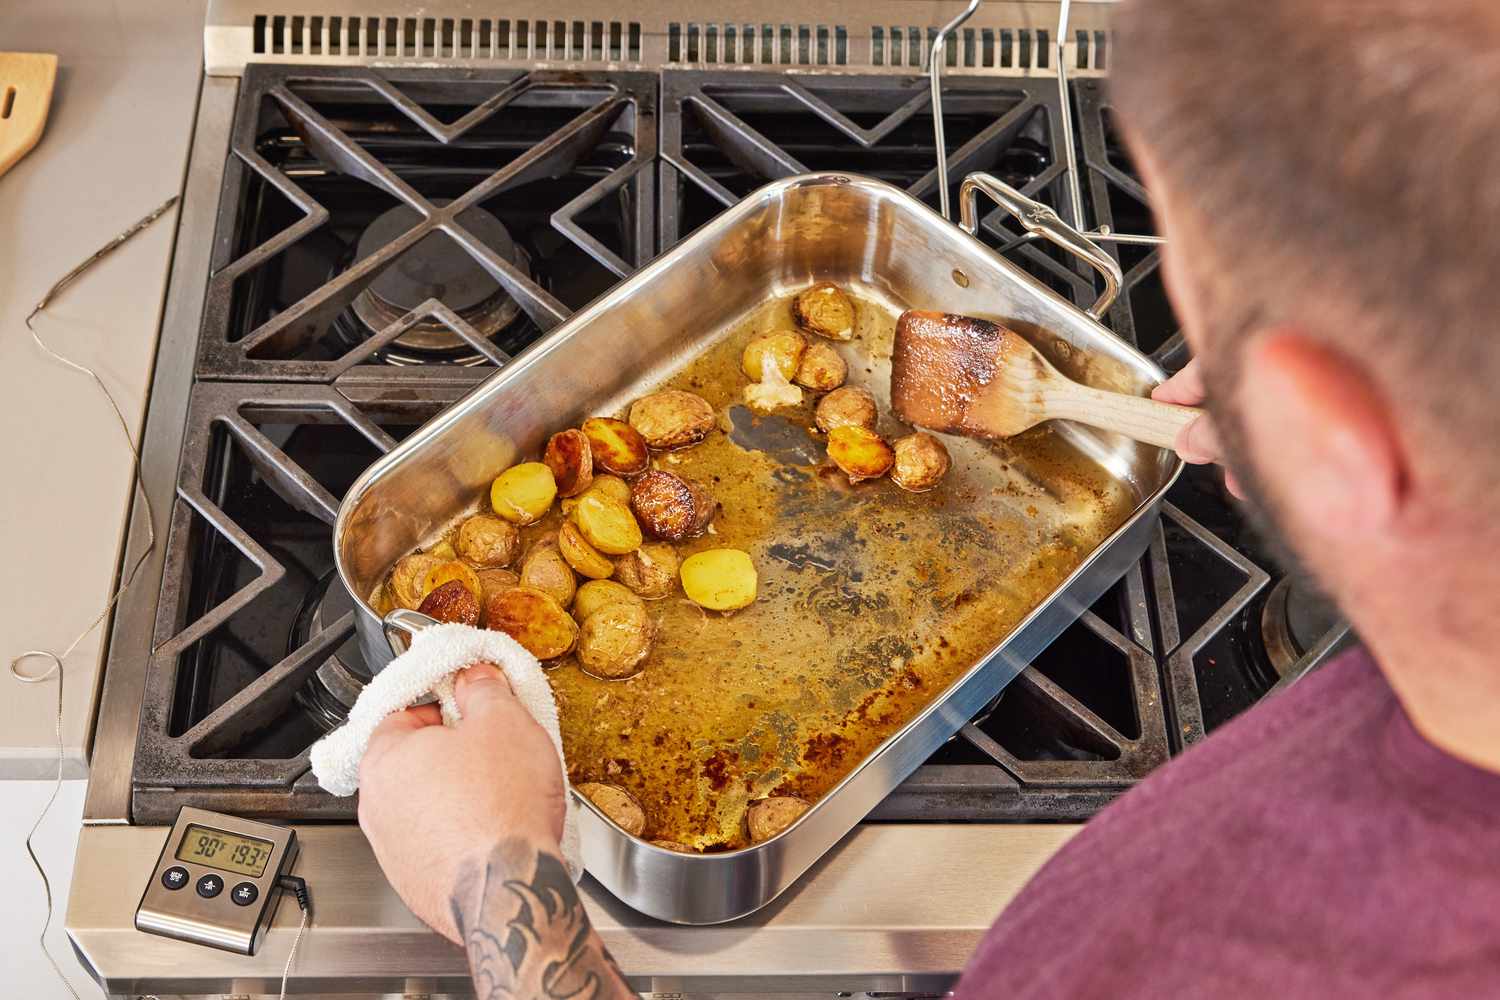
(895,253)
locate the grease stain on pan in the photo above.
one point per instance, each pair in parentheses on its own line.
(872,601)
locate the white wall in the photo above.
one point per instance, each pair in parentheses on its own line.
(23,905)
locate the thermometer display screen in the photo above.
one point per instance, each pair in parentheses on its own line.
(228,852)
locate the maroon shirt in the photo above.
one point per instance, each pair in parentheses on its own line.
(1318,846)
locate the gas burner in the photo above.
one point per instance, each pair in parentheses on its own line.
(331,691)
(1295,617)
(436,268)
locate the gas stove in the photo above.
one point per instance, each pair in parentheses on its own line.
(318,313)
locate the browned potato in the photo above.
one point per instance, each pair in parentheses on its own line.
(672,418)
(489,541)
(454,570)
(822,369)
(824,309)
(671,506)
(616,803)
(545,569)
(444,550)
(784,347)
(608,525)
(617,447)
(768,817)
(533,619)
(408,577)
(492,581)
(850,406)
(581,555)
(650,571)
(921,461)
(614,640)
(523,493)
(860,453)
(451,602)
(571,461)
(596,594)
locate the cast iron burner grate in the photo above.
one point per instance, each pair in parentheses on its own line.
(724,134)
(254,655)
(345,188)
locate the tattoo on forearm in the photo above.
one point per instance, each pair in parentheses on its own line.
(527,933)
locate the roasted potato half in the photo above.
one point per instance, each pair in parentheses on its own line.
(451,602)
(492,581)
(859,453)
(571,460)
(823,369)
(768,817)
(720,579)
(533,619)
(488,541)
(921,462)
(850,406)
(606,485)
(670,506)
(650,571)
(672,418)
(616,803)
(545,569)
(614,640)
(523,493)
(784,347)
(607,525)
(617,446)
(408,577)
(452,570)
(596,594)
(582,556)
(824,309)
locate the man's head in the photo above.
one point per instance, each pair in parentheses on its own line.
(1328,178)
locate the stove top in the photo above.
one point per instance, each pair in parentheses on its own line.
(387,238)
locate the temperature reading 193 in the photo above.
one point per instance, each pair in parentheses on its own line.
(225,851)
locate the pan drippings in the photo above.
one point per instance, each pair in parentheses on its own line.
(872,601)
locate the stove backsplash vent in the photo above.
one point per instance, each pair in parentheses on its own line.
(1005,37)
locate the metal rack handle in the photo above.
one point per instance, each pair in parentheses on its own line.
(1039,220)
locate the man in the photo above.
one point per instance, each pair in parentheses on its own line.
(1328,179)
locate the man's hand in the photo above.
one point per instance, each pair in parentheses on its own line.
(465,823)
(1198,442)
(434,800)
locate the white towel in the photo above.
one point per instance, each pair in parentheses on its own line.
(437,653)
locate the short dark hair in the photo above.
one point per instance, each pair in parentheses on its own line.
(1341,162)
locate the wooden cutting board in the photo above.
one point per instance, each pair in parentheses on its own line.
(26,80)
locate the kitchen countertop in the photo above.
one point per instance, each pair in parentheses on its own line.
(115,147)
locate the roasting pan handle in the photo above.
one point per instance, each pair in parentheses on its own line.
(1039,220)
(400,625)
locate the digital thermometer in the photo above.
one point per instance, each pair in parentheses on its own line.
(216,880)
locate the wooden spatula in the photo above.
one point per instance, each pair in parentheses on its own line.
(26,80)
(961,375)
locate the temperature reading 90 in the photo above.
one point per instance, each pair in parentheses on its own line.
(225,851)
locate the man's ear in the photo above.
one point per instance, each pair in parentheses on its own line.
(1322,436)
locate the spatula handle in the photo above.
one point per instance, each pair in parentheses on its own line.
(1136,417)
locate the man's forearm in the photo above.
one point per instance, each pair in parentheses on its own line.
(526,932)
